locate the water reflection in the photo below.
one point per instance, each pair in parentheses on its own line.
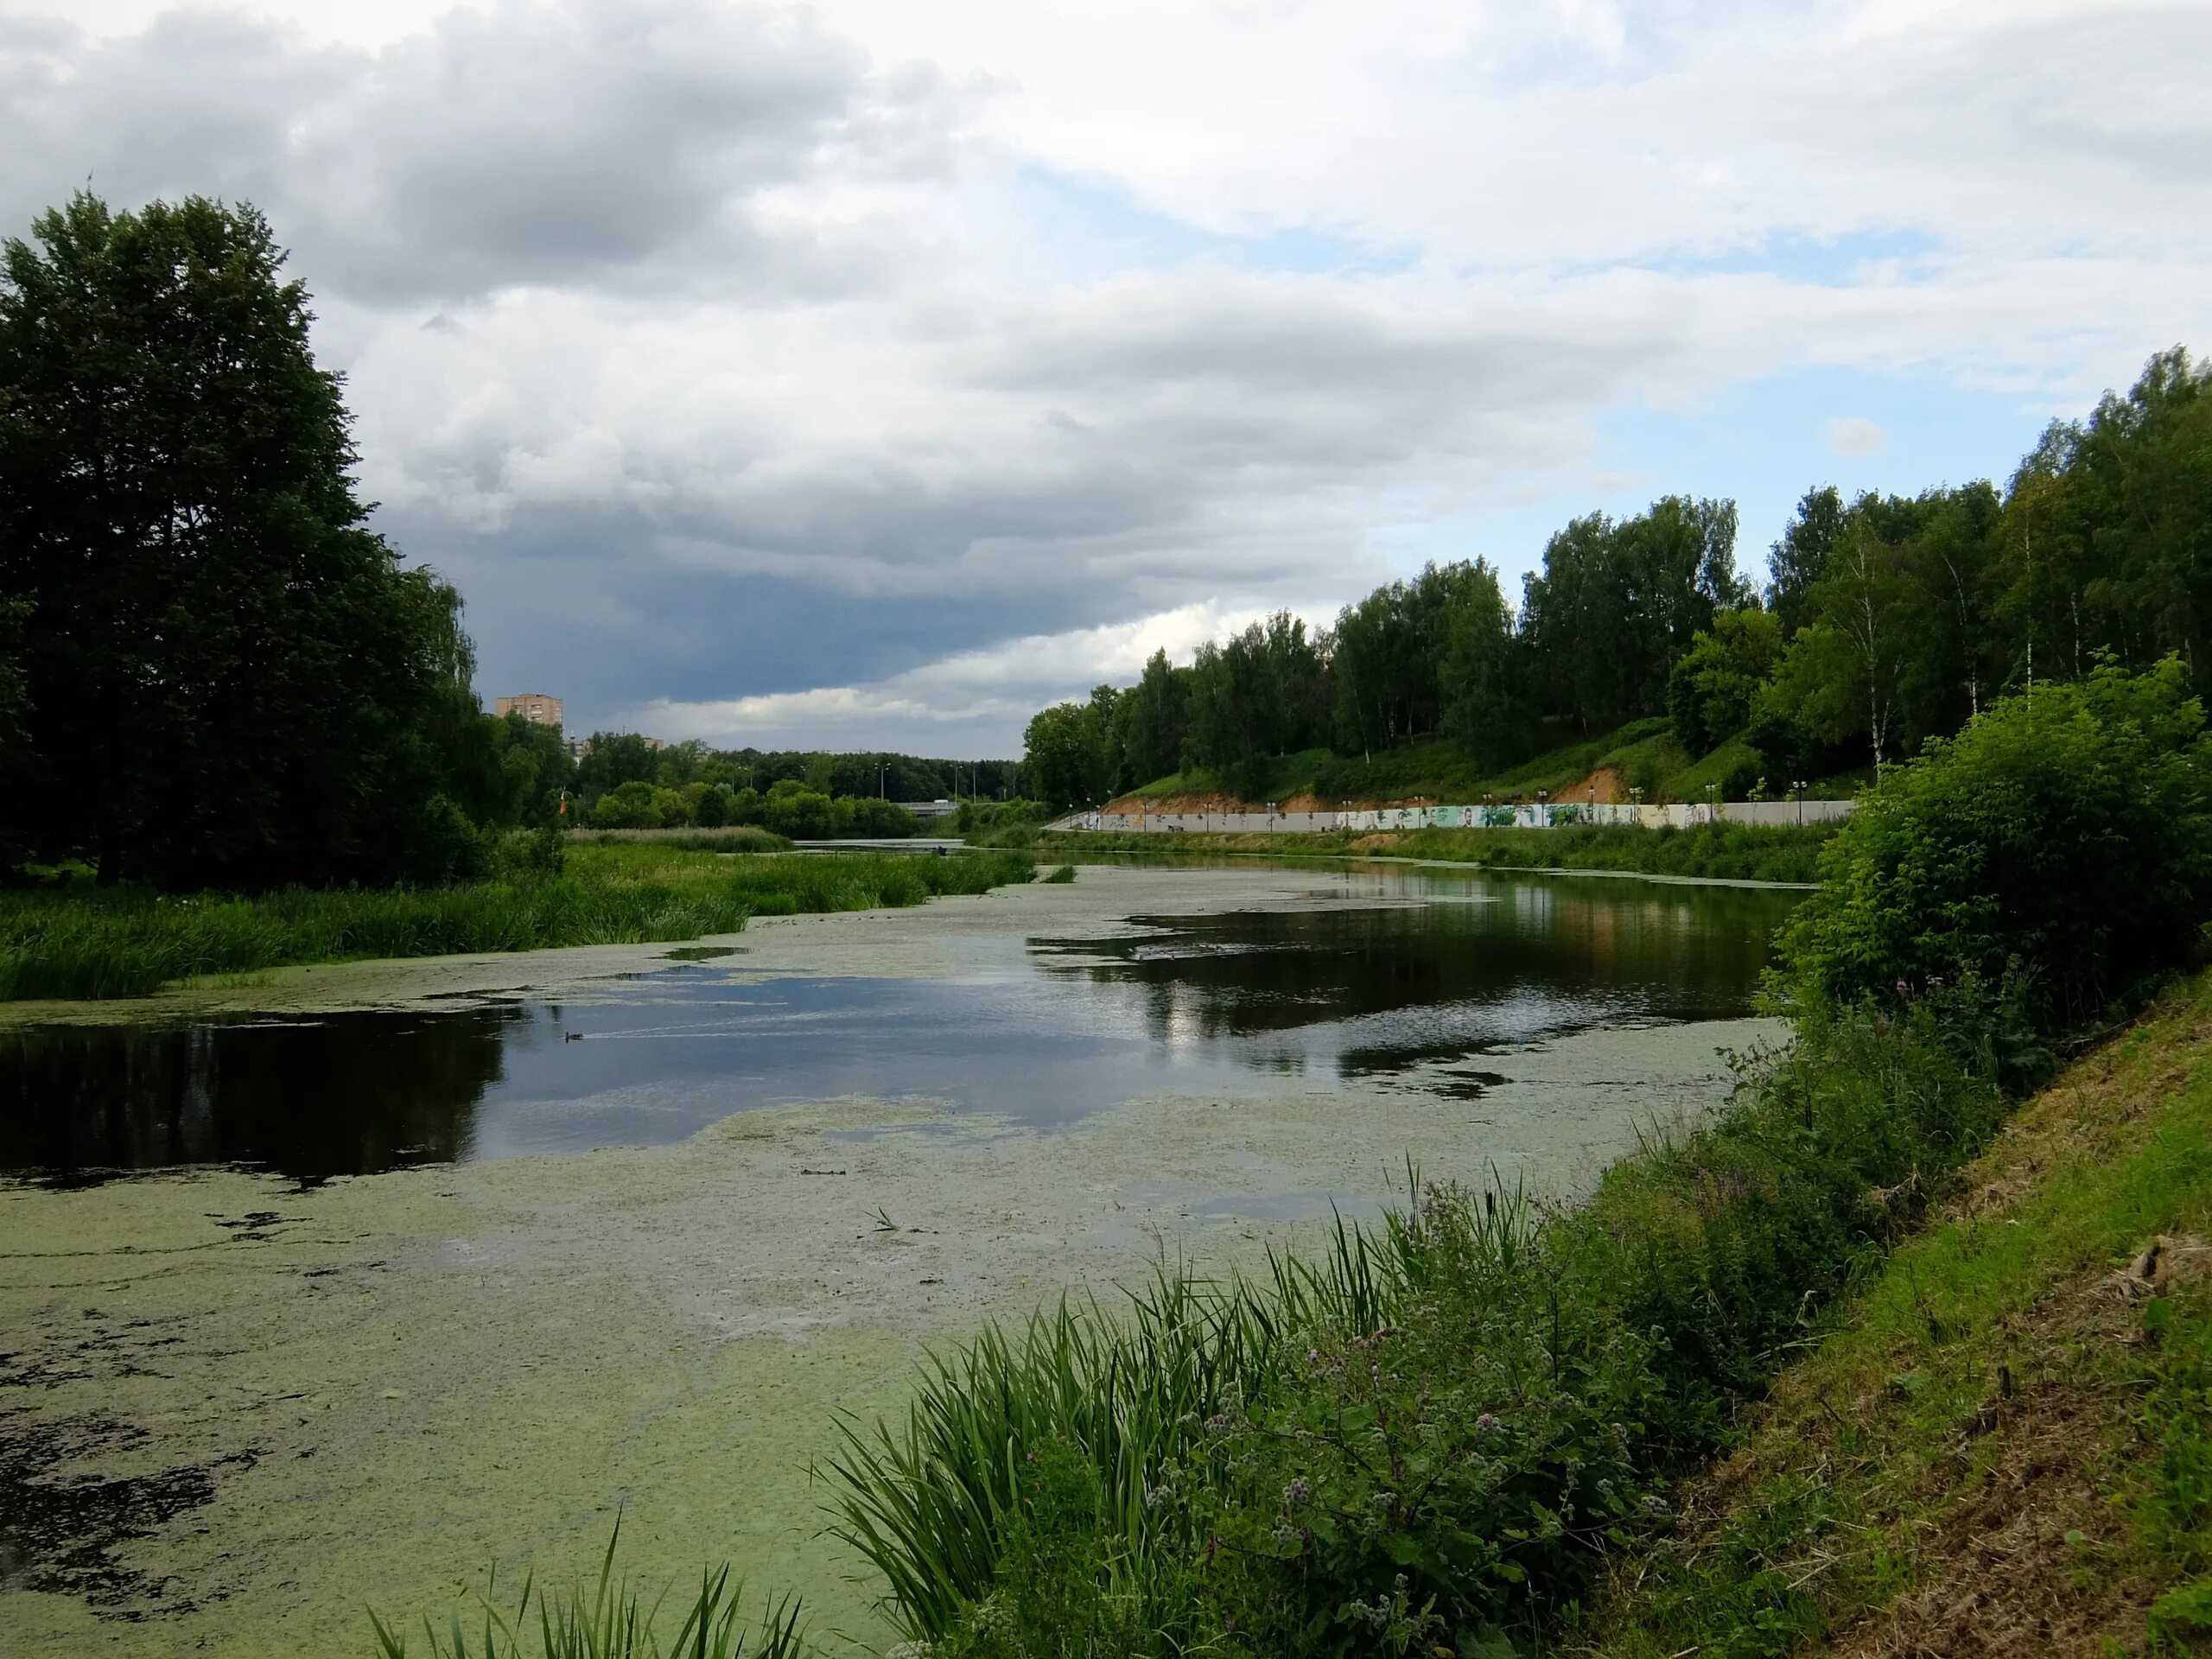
(1401,977)
(1436,968)
(344,1095)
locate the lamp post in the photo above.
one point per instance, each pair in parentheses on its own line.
(1543,809)
(1800,787)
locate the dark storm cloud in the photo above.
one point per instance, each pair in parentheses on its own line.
(594,143)
(562,609)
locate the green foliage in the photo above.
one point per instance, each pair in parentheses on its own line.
(1263,691)
(1891,620)
(728,838)
(230,678)
(1389,653)
(1062,1571)
(1711,689)
(2062,840)
(1797,560)
(1064,753)
(1616,604)
(80,943)
(1152,723)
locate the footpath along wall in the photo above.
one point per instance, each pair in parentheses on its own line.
(1552,815)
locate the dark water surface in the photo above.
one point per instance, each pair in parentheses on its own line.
(1416,984)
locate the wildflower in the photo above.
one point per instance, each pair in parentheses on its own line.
(1486,1424)
(1220,1422)
(1654,1504)
(1296,1493)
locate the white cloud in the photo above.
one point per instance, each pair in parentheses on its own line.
(964,695)
(1853,435)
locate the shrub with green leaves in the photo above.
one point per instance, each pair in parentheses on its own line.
(2062,839)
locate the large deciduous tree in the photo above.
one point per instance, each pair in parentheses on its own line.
(230,678)
(1616,604)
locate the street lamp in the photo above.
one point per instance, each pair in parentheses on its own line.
(1800,787)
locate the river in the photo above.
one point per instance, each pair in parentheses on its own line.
(337,1287)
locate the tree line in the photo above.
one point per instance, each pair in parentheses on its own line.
(1884,621)
(624,781)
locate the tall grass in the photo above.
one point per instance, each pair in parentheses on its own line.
(612,1621)
(728,838)
(83,942)
(930,1502)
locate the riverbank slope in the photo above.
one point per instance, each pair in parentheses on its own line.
(2004,1444)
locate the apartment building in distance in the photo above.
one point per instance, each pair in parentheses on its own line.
(533,706)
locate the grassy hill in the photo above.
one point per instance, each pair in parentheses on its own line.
(2004,1444)
(1643,754)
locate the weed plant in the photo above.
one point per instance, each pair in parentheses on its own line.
(85,942)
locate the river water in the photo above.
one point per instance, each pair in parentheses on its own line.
(584,1231)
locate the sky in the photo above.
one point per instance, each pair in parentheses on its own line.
(869,374)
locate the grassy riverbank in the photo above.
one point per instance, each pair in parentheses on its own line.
(1736,852)
(2005,1445)
(82,942)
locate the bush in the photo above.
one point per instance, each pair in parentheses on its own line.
(2064,841)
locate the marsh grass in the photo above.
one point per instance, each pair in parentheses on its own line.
(731,838)
(1126,1389)
(1061,877)
(81,942)
(612,1620)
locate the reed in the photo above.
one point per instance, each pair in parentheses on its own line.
(82,942)
(612,1620)
(931,1503)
